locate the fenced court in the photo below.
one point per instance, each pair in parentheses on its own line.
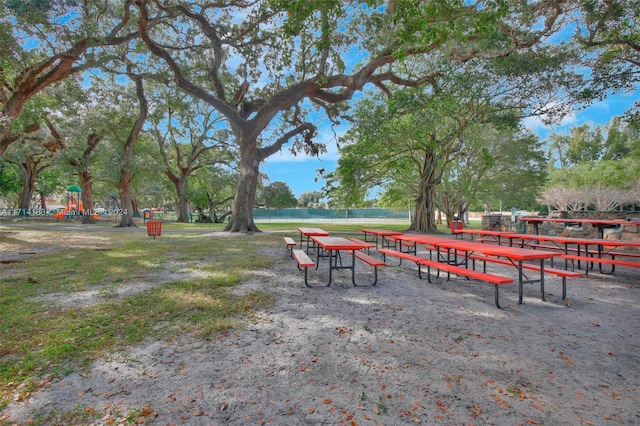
(331,215)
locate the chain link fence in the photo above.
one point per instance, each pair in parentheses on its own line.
(330,215)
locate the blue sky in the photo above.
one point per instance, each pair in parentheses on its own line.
(299,172)
(599,113)
(299,175)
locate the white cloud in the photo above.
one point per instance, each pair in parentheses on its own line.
(537,124)
(598,113)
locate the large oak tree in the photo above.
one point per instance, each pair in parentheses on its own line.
(268,66)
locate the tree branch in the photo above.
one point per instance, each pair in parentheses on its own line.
(306,129)
(220,104)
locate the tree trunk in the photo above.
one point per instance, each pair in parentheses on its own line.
(213,214)
(462,210)
(242,214)
(183,203)
(447,207)
(424,217)
(87,197)
(135,207)
(126,176)
(29,174)
(124,186)
(126,204)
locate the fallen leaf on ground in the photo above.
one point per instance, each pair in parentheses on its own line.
(441,405)
(566,358)
(146,411)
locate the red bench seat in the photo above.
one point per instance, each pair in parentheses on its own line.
(496,280)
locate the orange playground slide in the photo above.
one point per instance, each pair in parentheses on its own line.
(62,213)
(71,207)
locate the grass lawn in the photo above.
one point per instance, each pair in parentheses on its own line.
(42,337)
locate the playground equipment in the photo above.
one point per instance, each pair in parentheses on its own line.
(70,211)
(74,206)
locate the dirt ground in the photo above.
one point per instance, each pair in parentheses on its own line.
(401,352)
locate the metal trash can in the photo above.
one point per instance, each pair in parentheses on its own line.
(456,225)
(154,228)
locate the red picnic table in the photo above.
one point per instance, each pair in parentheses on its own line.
(331,248)
(516,256)
(604,249)
(495,235)
(311,232)
(378,233)
(601,224)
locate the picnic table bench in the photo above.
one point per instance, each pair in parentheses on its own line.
(601,260)
(496,280)
(589,250)
(587,256)
(563,273)
(369,260)
(291,244)
(304,261)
